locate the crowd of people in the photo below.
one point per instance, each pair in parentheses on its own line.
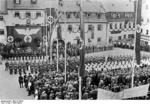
(42,79)
(73,49)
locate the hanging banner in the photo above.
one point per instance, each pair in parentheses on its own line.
(125,94)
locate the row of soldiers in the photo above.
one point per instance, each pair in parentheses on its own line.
(21,67)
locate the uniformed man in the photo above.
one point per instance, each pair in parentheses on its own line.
(6,65)
(15,67)
(20,67)
(32,67)
(20,79)
(24,67)
(11,68)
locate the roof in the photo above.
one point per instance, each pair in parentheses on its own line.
(118,5)
(26,4)
(67,6)
(88,6)
(2,6)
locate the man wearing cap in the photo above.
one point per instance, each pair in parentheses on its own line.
(6,65)
(11,68)
(20,79)
(15,67)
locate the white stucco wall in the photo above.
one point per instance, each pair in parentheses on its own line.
(11,20)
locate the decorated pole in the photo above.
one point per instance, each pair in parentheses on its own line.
(57,36)
(65,61)
(82,50)
(57,55)
(47,29)
(136,55)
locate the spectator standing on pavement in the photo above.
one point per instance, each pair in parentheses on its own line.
(20,81)
(6,66)
(29,88)
(25,81)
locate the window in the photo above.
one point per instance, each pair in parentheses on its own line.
(148,20)
(1,32)
(60,3)
(17,1)
(89,40)
(131,36)
(110,39)
(68,15)
(87,14)
(77,14)
(147,32)
(17,14)
(69,27)
(124,36)
(146,43)
(125,25)
(79,27)
(133,25)
(129,25)
(119,37)
(28,14)
(99,27)
(98,15)
(99,39)
(1,18)
(38,14)
(141,30)
(115,26)
(111,26)
(90,27)
(120,25)
(33,1)
(147,7)
(92,35)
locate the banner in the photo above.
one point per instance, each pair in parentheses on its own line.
(125,94)
(138,33)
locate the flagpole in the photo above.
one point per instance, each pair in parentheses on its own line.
(133,61)
(65,62)
(57,55)
(137,5)
(46,32)
(57,37)
(82,50)
(49,39)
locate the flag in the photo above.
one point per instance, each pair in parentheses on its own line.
(50,12)
(59,33)
(138,34)
(82,48)
(82,62)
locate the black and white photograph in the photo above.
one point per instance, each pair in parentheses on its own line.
(74,50)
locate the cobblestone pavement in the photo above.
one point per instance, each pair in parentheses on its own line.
(9,86)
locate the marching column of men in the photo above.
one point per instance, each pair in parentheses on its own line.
(112,73)
(24,66)
(27,70)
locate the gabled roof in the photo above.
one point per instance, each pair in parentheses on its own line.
(26,4)
(118,5)
(88,6)
(2,6)
(67,5)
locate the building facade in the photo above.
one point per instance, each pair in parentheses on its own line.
(26,23)
(94,23)
(105,22)
(120,20)
(145,36)
(3,13)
